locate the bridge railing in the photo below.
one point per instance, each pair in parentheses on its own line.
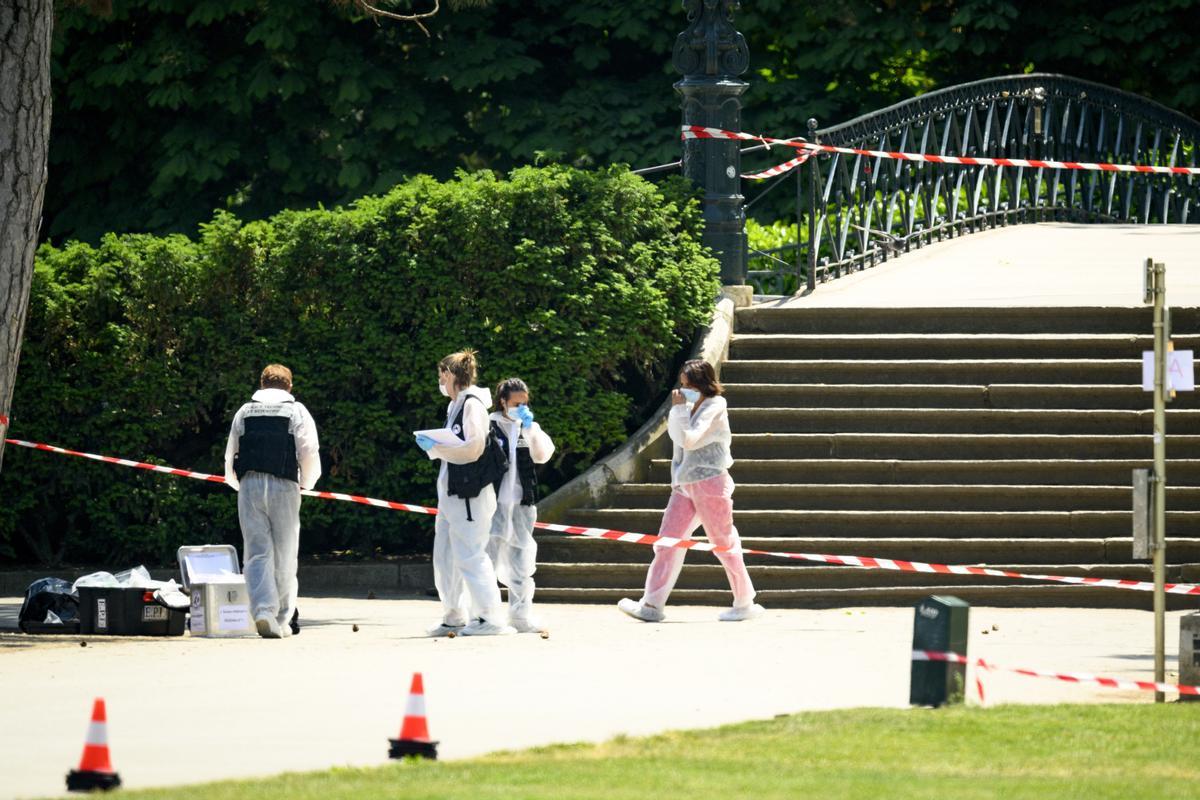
(855,211)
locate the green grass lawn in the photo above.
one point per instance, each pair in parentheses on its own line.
(1087,751)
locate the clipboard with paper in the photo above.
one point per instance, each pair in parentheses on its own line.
(441,436)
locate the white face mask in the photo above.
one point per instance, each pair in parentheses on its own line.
(511,413)
(691,395)
(442,388)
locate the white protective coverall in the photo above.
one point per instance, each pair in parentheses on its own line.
(511,546)
(462,571)
(269,507)
(701,493)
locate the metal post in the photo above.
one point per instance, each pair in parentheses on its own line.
(801,257)
(711,54)
(1158,273)
(814,238)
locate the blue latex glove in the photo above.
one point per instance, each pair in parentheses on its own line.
(525,415)
(424,442)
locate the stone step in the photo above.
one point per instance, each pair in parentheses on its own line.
(1079,371)
(1048,551)
(1034,319)
(909,497)
(948,346)
(885,524)
(905,395)
(995,595)
(954,420)
(699,573)
(1045,472)
(919,446)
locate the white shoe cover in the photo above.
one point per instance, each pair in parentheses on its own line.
(640,611)
(527,625)
(741,613)
(442,629)
(268,627)
(480,627)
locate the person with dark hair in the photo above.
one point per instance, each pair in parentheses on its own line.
(462,571)
(512,547)
(701,494)
(271,455)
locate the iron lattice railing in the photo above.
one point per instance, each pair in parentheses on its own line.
(862,210)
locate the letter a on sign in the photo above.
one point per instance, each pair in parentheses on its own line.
(1181,376)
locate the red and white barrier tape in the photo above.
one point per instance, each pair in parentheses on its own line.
(870,562)
(860,562)
(1069,677)
(700,132)
(204,476)
(782,169)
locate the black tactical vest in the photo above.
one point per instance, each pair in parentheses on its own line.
(467,480)
(267,445)
(526,470)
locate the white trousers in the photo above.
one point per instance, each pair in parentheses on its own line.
(514,552)
(269,513)
(462,571)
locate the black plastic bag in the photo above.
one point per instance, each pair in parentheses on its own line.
(48,595)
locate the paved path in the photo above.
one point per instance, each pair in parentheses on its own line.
(189,710)
(1050,264)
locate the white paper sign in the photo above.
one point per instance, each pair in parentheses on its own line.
(235,618)
(442,436)
(1181,376)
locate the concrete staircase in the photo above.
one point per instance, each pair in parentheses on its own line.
(1002,436)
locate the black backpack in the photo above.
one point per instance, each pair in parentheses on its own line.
(467,480)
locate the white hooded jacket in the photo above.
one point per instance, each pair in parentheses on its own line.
(541,449)
(702,440)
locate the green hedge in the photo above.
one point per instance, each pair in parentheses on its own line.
(587,284)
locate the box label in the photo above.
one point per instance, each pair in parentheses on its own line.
(102,613)
(197,624)
(154,613)
(235,617)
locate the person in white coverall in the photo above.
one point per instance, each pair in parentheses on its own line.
(462,571)
(511,546)
(701,494)
(272,453)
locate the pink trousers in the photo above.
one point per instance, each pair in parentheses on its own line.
(709,503)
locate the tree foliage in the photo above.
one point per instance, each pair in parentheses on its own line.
(168,109)
(585,284)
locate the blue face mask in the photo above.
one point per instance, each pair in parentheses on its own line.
(691,395)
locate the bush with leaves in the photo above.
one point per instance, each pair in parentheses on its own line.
(589,285)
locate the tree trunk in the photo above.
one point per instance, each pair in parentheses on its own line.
(25,27)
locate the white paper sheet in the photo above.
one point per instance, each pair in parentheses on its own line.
(1181,375)
(442,436)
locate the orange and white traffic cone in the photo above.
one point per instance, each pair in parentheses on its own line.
(95,768)
(414,733)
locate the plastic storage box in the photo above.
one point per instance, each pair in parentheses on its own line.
(126,612)
(220,603)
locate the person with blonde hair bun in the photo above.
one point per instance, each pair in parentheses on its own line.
(462,570)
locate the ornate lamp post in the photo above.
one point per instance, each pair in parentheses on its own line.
(711,54)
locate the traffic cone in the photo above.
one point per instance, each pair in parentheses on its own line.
(95,768)
(414,733)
